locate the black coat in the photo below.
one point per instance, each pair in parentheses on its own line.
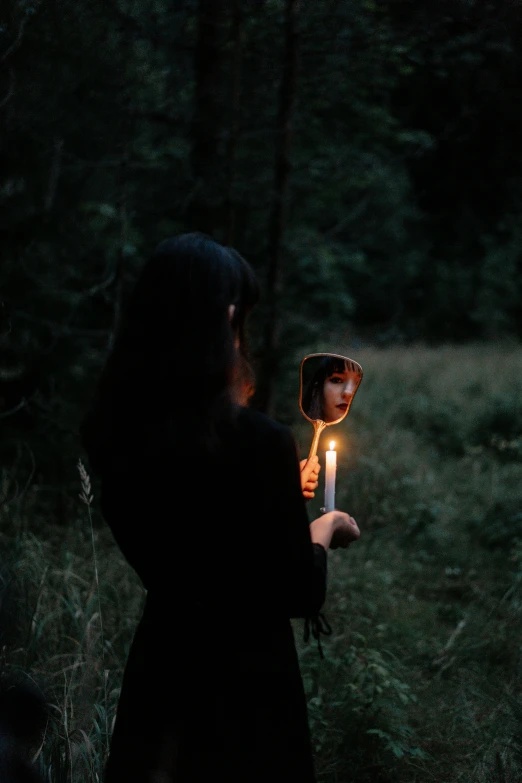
(212,686)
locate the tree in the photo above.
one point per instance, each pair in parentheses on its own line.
(205,212)
(287,98)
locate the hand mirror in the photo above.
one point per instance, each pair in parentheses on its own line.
(327,386)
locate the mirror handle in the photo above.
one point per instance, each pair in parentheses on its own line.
(318,428)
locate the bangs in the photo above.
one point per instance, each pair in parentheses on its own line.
(335,365)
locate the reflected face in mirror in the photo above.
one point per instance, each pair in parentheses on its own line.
(337,391)
(329,383)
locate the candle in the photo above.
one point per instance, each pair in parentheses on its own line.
(329,478)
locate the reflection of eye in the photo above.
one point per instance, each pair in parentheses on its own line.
(335,379)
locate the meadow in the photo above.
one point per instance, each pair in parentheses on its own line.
(421,679)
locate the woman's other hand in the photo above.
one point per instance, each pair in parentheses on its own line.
(346,531)
(310,476)
(334,530)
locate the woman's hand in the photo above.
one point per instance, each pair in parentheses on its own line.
(346,531)
(310,476)
(334,530)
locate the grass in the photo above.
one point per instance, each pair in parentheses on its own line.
(71,604)
(430,465)
(421,677)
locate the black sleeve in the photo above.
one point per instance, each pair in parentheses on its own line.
(294,571)
(307,561)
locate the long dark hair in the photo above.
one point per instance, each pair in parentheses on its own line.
(167,381)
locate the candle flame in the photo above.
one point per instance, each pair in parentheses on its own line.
(332,445)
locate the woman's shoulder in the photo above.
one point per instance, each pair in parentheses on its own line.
(254,423)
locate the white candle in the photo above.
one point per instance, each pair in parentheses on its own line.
(329,478)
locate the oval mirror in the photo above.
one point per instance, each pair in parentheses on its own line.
(327,386)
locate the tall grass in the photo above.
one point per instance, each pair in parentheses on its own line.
(421,677)
(424,667)
(71,609)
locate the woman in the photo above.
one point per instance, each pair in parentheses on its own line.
(204,496)
(330,391)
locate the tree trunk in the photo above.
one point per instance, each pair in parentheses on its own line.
(123,198)
(287,97)
(54,175)
(206,204)
(233,133)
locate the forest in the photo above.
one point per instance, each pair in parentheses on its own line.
(365,157)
